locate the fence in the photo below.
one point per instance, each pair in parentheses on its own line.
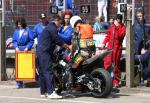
(30,9)
(111,9)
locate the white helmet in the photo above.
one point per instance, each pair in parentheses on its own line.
(73,20)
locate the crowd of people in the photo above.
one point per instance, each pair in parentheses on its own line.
(60,30)
(141,44)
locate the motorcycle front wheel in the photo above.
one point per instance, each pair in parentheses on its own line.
(102,83)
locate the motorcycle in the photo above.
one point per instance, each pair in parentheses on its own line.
(89,76)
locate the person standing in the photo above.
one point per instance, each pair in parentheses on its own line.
(47,41)
(22,40)
(66,30)
(113,40)
(37,32)
(102,8)
(40,26)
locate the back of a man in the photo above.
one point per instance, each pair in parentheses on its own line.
(47,41)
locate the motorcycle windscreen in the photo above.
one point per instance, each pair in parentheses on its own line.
(25,66)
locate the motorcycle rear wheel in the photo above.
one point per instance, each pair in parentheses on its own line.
(103,87)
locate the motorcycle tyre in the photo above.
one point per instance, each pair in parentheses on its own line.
(108,80)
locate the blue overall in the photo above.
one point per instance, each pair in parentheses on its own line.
(38,30)
(25,41)
(66,34)
(45,47)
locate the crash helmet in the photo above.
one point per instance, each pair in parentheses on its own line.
(74,20)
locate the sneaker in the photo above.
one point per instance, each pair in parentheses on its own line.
(115,88)
(19,87)
(148,82)
(54,96)
(44,95)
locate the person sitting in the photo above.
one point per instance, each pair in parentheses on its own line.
(104,24)
(82,40)
(142,52)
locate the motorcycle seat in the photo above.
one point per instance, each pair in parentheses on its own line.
(96,57)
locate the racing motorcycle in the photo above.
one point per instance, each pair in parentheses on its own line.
(89,76)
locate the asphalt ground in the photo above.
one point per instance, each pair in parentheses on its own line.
(9,94)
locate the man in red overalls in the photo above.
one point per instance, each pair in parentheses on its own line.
(113,40)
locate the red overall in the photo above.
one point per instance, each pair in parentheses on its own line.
(120,32)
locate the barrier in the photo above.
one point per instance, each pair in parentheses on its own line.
(25,66)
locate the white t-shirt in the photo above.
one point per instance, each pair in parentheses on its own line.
(21,32)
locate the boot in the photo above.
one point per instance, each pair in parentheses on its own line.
(137,59)
(148,82)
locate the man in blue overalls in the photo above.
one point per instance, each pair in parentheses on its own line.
(47,42)
(40,26)
(37,32)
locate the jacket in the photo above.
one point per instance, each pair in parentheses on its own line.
(139,37)
(25,41)
(66,34)
(49,39)
(120,32)
(38,30)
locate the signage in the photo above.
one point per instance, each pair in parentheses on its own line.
(123,7)
(53,9)
(85,9)
(61,4)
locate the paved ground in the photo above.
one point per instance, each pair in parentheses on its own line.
(9,94)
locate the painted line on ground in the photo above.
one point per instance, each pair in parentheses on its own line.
(77,101)
(142,94)
(45,99)
(11,97)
